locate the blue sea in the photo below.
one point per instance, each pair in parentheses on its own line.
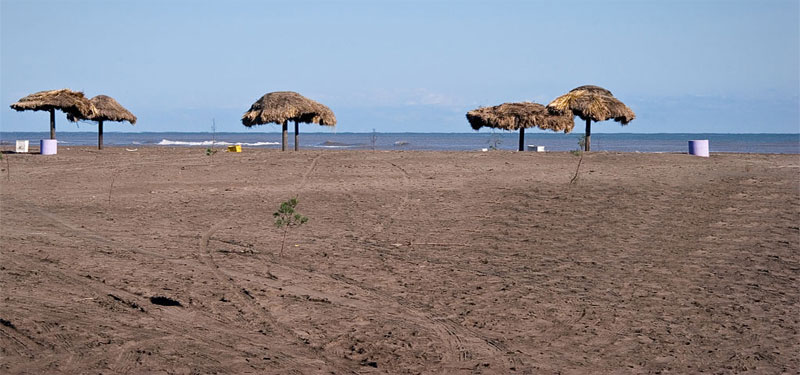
(619,142)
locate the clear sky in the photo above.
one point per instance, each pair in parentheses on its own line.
(416,66)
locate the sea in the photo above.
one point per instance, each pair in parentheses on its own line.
(614,142)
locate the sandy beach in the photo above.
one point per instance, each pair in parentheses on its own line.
(165,260)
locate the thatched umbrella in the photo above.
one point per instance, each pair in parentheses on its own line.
(280,107)
(66,100)
(108,109)
(592,103)
(513,116)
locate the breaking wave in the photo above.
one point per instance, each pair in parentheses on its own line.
(167,142)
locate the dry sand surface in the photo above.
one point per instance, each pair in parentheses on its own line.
(412,262)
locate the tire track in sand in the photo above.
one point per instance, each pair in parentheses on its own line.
(207,256)
(85,233)
(243,298)
(459,339)
(123,357)
(382,223)
(400,207)
(462,344)
(500,348)
(19,343)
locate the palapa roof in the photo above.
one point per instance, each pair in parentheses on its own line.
(513,116)
(66,100)
(593,89)
(280,106)
(592,102)
(108,109)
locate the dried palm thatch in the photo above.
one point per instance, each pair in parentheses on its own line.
(518,116)
(592,103)
(593,90)
(108,109)
(280,107)
(514,116)
(68,101)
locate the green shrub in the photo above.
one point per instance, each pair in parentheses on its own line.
(286,217)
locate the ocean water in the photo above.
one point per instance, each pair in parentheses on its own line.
(618,142)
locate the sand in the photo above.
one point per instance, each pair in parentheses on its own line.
(411,262)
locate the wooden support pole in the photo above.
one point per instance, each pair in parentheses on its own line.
(100,135)
(296,139)
(522,139)
(52,123)
(588,140)
(285,135)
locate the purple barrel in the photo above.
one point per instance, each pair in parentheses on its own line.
(699,147)
(48,146)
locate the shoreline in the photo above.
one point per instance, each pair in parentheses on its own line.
(623,142)
(8,149)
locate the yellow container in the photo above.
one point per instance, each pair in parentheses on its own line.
(236,148)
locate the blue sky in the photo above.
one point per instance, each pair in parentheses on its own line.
(416,66)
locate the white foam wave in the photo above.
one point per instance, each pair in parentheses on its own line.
(334,146)
(259,144)
(167,142)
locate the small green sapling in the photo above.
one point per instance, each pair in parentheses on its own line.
(286,217)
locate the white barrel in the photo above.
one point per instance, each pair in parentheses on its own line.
(698,147)
(48,146)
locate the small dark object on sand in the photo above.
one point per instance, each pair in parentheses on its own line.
(7,323)
(164,301)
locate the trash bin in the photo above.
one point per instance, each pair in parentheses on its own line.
(698,147)
(48,146)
